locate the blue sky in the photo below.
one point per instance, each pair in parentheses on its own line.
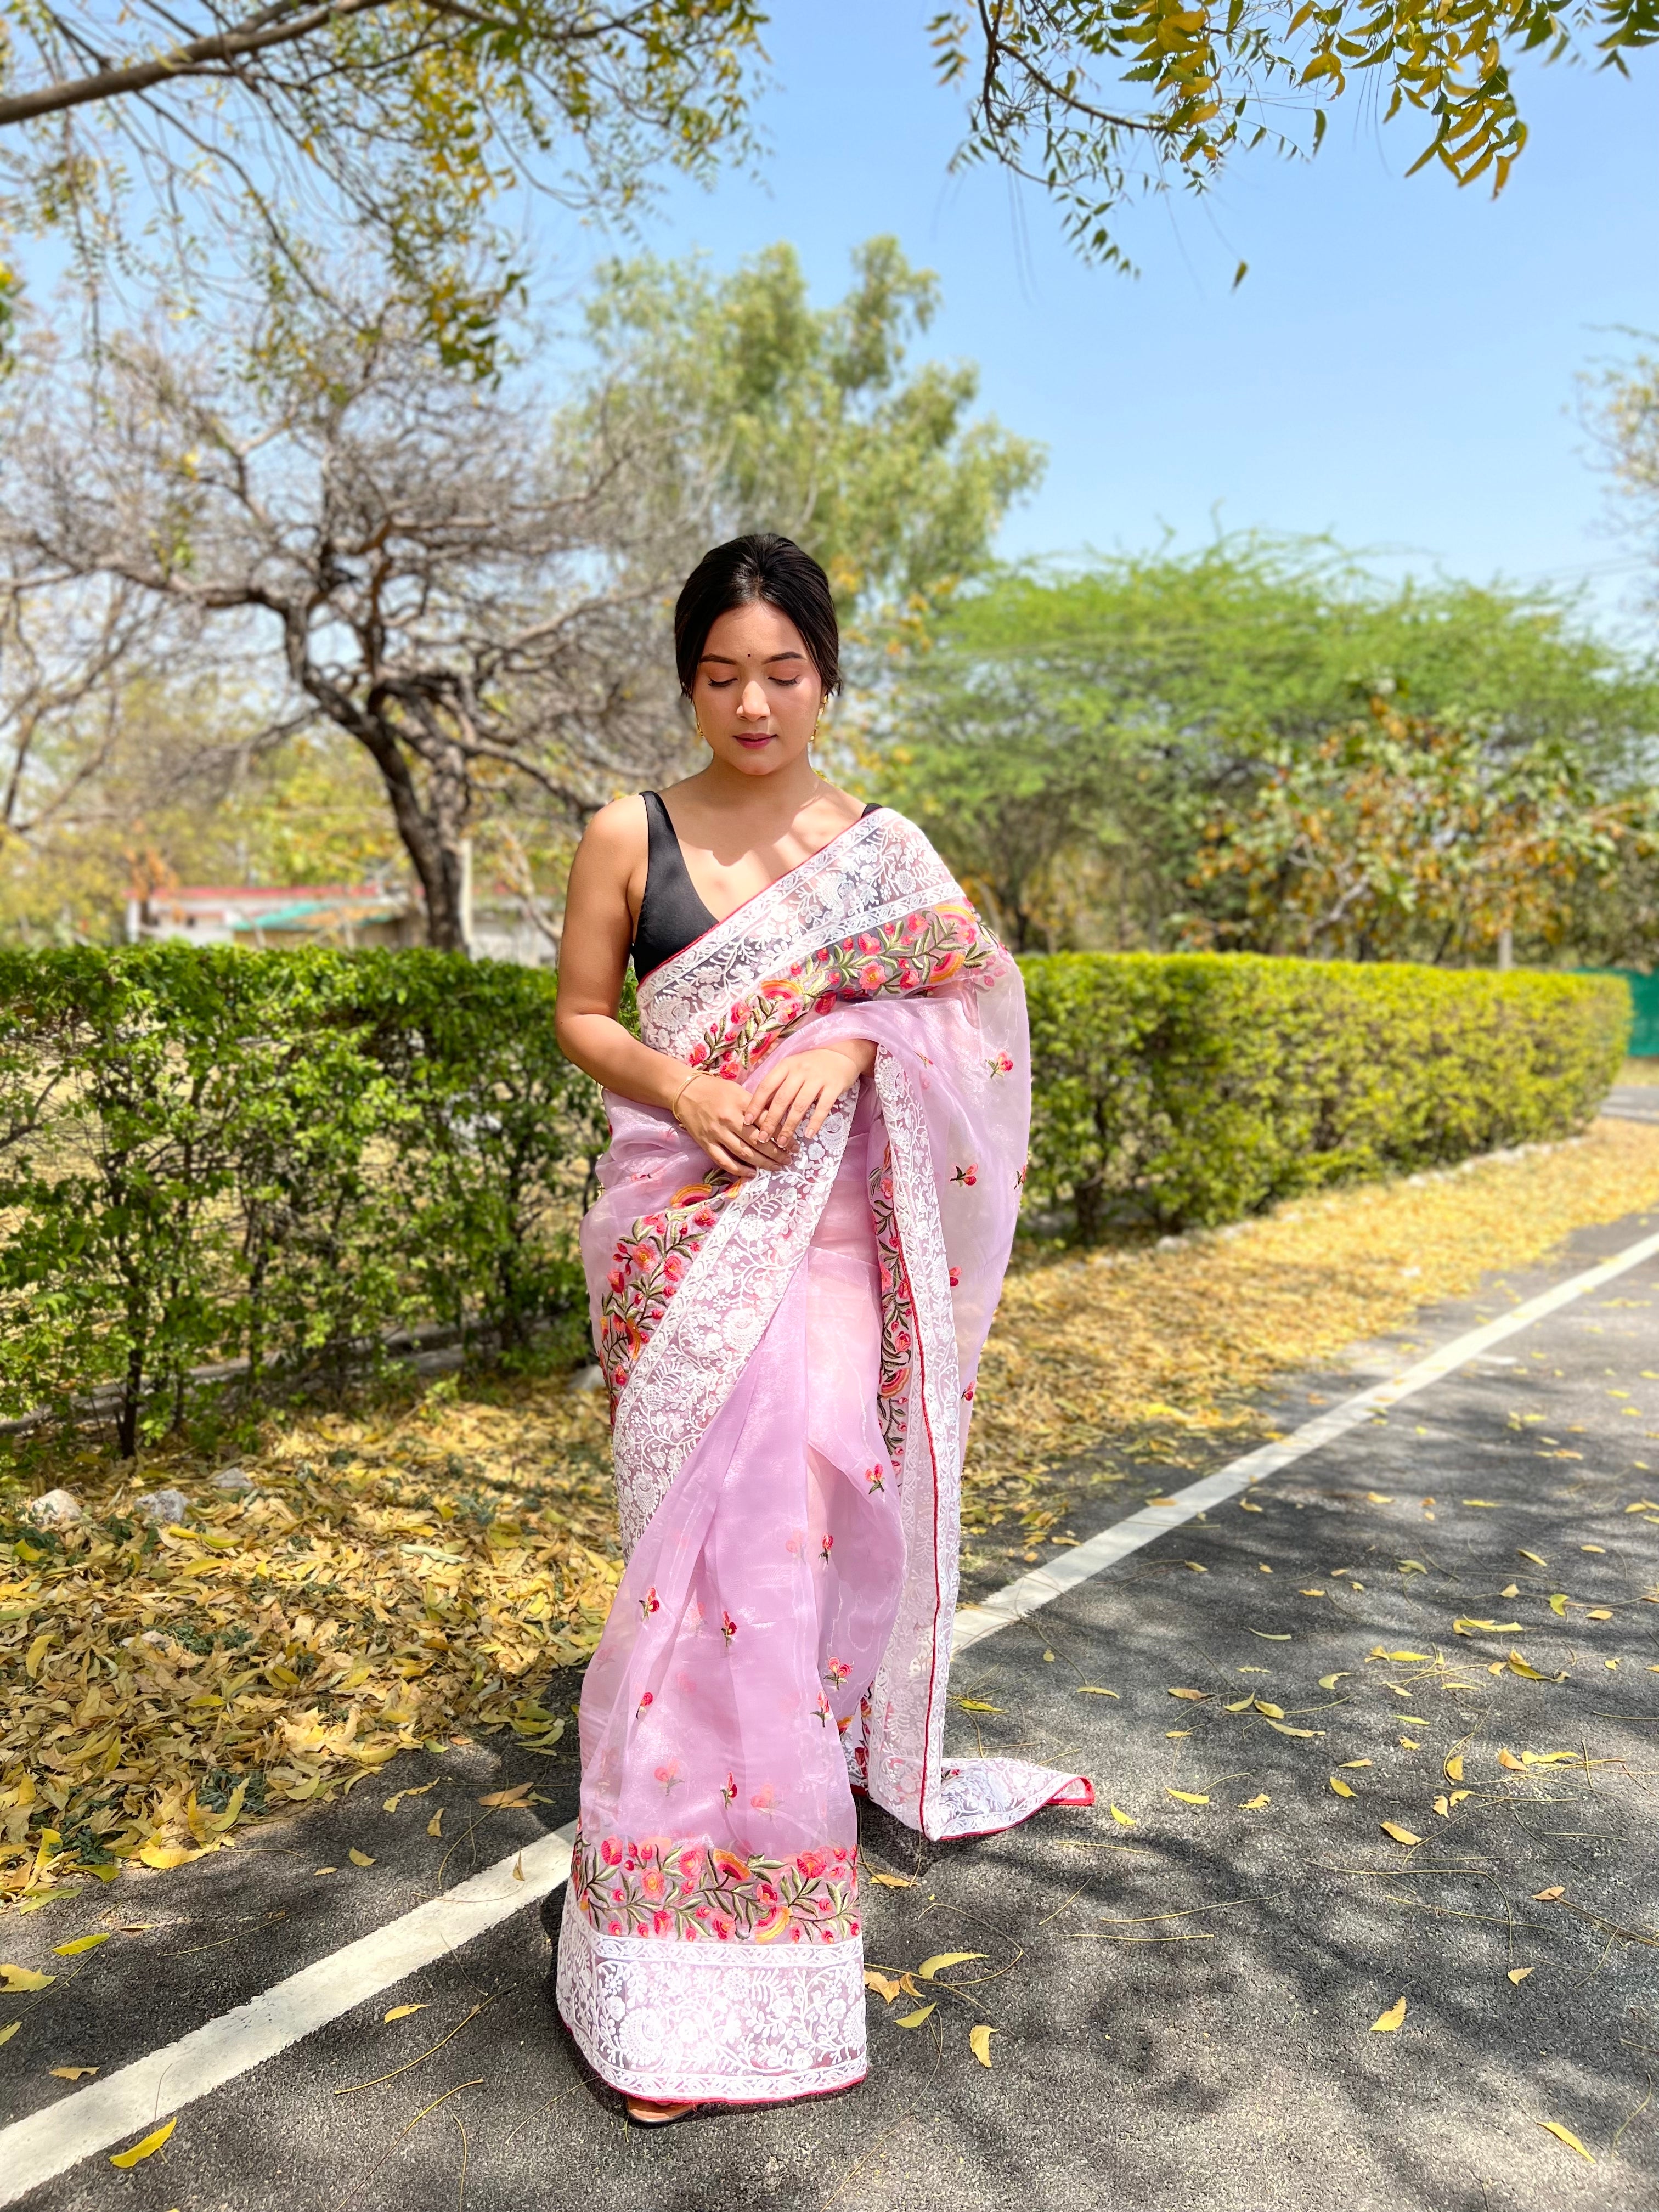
(1399,367)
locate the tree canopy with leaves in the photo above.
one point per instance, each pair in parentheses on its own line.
(411,121)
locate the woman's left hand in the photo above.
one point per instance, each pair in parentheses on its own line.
(793,1098)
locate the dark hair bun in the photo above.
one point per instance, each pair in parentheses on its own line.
(761,566)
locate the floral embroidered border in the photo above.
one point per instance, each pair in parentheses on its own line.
(647,1267)
(691,1889)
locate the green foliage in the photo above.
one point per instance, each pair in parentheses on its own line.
(1069,736)
(781,416)
(213,1154)
(1185,1090)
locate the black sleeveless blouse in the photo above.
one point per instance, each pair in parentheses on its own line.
(672,915)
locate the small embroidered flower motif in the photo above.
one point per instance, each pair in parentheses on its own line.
(764,1798)
(650,1603)
(796,1544)
(729,1789)
(1019,1176)
(822,1708)
(967,1177)
(646,1702)
(670,1778)
(969,1394)
(874,1479)
(826,1545)
(837,1670)
(956,1278)
(1002,1065)
(728,1627)
(843,1726)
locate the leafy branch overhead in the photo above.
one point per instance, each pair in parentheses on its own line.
(1097,104)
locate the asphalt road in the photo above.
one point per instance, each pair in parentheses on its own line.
(1183,2006)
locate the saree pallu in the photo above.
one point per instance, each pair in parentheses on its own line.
(791,1362)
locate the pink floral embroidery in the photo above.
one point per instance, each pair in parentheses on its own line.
(661,1885)
(822,1708)
(837,1670)
(646,1267)
(728,1627)
(826,1545)
(872,1477)
(729,1788)
(967,1175)
(670,1776)
(646,1702)
(897,1312)
(956,1278)
(1002,1065)
(650,1603)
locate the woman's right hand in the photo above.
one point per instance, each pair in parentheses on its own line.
(712,1111)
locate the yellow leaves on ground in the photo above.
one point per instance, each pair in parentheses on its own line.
(977,1706)
(434,1826)
(1340,1787)
(9,2030)
(1388,2021)
(392,1802)
(358,1858)
(70,2073)
(1400,1835)
(1188,1797)
(1534,1556)
(1284,1728)
(515,1798)
(1489,1503)
(13,1980)
(1254,1804)
(978,2042)
(1508,1758)
(1470,1627)
(1195,1697)
(389,1582)
(83,1943)
(1519,1973)
(916,2019)
(1452,1766)
(895,1880)
(1330,1681)
(1548,1896)
(1124,1819)
(1094,1690)
(1173,1344)
(1558,1605)
(1567,2136)
(150,2144)
(1273,1712)
(941,1959)
(886,1986)
(1404,1658)
(1518,1665)
(402,2012)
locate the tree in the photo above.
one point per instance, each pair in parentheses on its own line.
(1399,839)
(247,139)
(1156,690)
(472,587)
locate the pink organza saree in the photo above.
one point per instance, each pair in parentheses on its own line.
(791,1362)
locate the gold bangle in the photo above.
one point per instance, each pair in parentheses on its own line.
(675,1109)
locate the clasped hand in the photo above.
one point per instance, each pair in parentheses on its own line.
(745,1130)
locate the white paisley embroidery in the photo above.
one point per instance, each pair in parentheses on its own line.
(714,1321)
(728,2022)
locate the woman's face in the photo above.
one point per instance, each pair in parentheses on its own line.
(756,691)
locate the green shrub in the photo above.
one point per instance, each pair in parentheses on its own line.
(1188,1088)
(208,1154)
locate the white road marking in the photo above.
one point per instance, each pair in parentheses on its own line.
(132,2101)
(974,1623)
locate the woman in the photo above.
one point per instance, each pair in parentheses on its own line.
(818,1145)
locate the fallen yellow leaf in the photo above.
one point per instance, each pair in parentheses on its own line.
(978,2042)
(1452,1768)
(1558,1605)
(1239,1705)
(1123,1820)
(83,1943)
(1273,1712)
(1196,1696)
(1393,2017)
(884,1985)
(156,1854)
(1330,1681)
(1548,1896)
(940,1959)
(1356,1762)
(517,1795)
(1599,1613)
(1508,1758)
(1490,1504)
(1381,1496)
(1510,1590)
(1188,1797)
(977,1706)
(1341,1787)
(147,2148)
(434,1826)
(1255,1804)
(1467,1626)
(402,2012)
(916,2019)
(895,1880)
(9,2030)
(1284,1728)
(1094,1690)
(398,1796)
(14,1978)
(1444,1807)
(1567,2136)
(1519,1973)
(1534,1556)
(70,2073)
(358,1858)
(1517,1665)
(1400,1835)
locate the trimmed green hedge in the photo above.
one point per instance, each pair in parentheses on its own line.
(212,1154)
(219,1155)
(1187,1089)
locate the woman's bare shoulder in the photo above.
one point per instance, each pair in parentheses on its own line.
(618,831)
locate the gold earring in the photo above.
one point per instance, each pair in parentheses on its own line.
(697,724)
(823,703)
